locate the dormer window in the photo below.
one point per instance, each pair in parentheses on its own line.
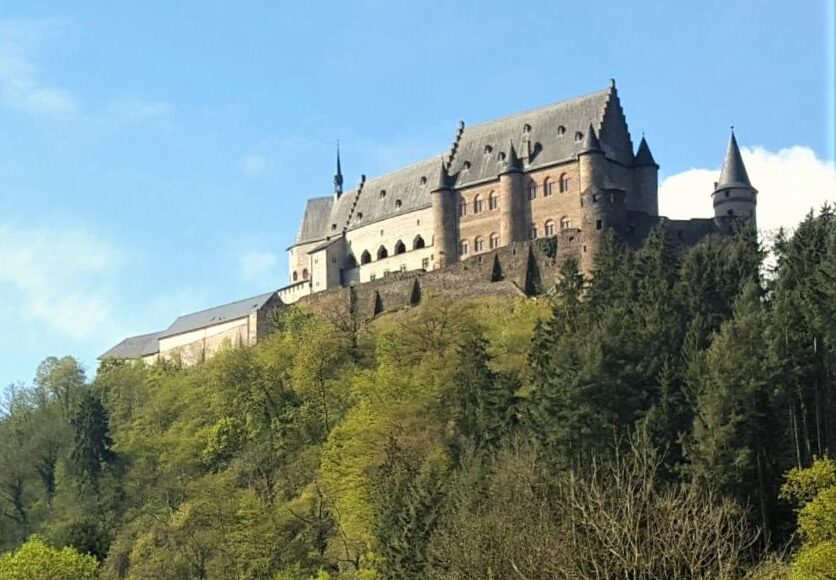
(466,165)
(398,204)
(526,128)
(488,149)
(382,193)
(561,130)
(424,180)
(578,137)
(502,156)
(359,216)
(333,227)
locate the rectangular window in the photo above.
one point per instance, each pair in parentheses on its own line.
(599,224)
(550,229)
(425,263)
(463,209)
(479,245)
(533,233)
(372,277)
(403,267)
(464,248)
(532,191)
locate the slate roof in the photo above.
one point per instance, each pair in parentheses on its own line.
(135,347)
(644,158)
(216,315)
(477,158)
(733,173)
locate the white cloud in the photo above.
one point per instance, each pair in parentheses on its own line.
(254,164)
(59,277)
(258,266)
(21,85)
(137,110)
(789,183)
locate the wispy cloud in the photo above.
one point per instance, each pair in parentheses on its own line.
(254,164)
(258,266)
(21,84)
(789,182)
(60,277)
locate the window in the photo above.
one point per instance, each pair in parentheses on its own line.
(398,204)
(478,204)
(550,228)
(295,276)
(463,208)
(464,248)
(494,241)
(493,201)
(425,264)
(561,130)
(565,183)
(402,268)
(359,215)
(547,187)
(366,257)
(305,274)
(532,190)
(382,252)
(333,227)
(372,277)
(599,224)
(423,180)
(382,193)
(418,243)
(727,194)
(578,137)
(400,248)
(479,245)
(731,212)
(488,149)
(532,233)
(565,223)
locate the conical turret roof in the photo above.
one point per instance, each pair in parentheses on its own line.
(590,141)
(644,158)
(514,162)
(443,183)
(733,173)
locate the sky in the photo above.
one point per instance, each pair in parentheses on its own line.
(155,156)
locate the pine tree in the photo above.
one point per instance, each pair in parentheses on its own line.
(91,441)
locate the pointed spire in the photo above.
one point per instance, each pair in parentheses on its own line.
(338,176)
(644,158)
(513,161)
(590,141)
(734,172)
(443,183)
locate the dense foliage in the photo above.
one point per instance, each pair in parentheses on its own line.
(637,425)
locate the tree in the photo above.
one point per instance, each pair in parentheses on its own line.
(36,560)
(91,439)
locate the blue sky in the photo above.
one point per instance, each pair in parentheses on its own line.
(155,156)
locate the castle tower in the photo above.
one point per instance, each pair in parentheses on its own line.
(444,220)
(647,179)
(338,176)
(511,199)
(734,197)
(591,161)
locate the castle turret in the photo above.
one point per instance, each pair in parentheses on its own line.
(591,160)
(511,228)
(444,220)
(734,197)
(647,179)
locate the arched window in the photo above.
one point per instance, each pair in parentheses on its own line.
(464,247)
(565,183)
(494,241)
(305,274)
(366,257)
(295,276)
(565,223)
(550,228)
(418,243)
(478,204)
(561,130)
(398,204)
(382,253)
(350,262)
(463,207)
(493,200)
(532,233)
(532,190)
(400,248)
(547,187)
(578,137)
(479,245)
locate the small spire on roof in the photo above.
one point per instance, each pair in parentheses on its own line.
(644,158)
(338,177)
(443,183)
(590,141)
(513,160)
(734,172)
(612,83)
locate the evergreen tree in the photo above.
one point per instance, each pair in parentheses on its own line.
(92,443)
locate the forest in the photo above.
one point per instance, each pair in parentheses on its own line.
(671,417)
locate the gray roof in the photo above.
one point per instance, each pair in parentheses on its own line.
(135,347)
(476,157)
(734,172)
(644,158)
(217,315)
(315,219)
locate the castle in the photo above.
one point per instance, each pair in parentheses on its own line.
(566,171)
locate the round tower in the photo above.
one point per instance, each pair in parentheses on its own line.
(734,197)
(602,210)
(444,220)
(647,179)
(511,227)
(591,161)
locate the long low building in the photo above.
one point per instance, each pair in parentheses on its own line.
(194,337)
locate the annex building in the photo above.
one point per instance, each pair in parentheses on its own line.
(567,171)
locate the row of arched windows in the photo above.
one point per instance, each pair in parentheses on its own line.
(549,227)
(304,275)
(564,183)
(382,252)
(479,204)
(479,244)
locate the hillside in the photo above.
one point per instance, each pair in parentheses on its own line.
(641,425)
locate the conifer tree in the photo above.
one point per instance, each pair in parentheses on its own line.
(92,443)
